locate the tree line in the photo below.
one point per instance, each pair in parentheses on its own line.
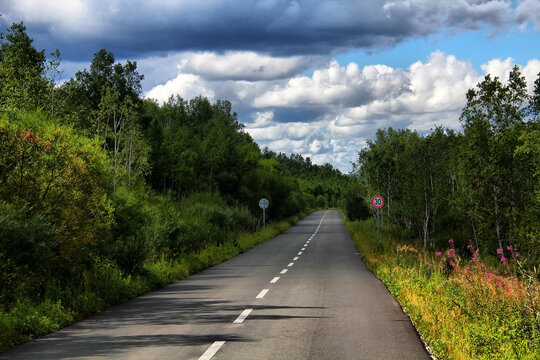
(481,184)
(93,175)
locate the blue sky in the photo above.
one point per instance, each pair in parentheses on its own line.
(312,77)
(478,47)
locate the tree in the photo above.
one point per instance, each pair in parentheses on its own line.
(115,123)
(85,92)
(22,72)
(493,119)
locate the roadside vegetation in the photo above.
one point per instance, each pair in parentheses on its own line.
(105,195)
(462,307)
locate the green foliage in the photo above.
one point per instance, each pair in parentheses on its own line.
(129,247)
(50,174)
(22,71)
(26,321)
(26,250)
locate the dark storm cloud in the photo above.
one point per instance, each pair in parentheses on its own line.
(135,29)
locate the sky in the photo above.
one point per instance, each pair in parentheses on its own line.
(313,77)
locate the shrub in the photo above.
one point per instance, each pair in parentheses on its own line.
(356,207)
(50,174)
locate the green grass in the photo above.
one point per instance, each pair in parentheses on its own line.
(107,285)
(467,311)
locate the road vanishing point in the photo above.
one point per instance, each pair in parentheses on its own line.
(306,294)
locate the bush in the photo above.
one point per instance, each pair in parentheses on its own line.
(26,247)
(53,187)
(129,247)
(356,207)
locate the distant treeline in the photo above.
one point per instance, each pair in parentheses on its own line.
(94,177)
(480,185)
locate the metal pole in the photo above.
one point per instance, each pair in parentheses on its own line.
(378,230)
(264,218)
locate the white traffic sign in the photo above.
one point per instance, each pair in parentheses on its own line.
(263,203)
(377,201)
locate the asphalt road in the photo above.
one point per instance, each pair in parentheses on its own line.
(305,294)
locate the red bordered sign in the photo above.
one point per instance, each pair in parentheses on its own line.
(377,201)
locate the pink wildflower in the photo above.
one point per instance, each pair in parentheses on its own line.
(482,265)
(477,251)
(499,283)
(451,252)
(517,254)
(452,263)
(509,248)
(499,251)
(471,261)
(488,275)
(427,263)
(451,241)
(468,268)
(503,259)
(439,254)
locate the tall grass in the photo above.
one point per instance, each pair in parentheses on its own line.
(463,308)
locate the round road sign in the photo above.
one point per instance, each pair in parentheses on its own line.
(263,203)
(377,201)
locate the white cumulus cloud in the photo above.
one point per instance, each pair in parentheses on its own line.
(528,11)
(243,65)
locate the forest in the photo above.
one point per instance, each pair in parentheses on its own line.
(481,185)
(105,194)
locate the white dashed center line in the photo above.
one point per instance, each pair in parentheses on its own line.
(274,280)
(295,258)
(212,350)
(300,253)
(240,319)
(290,264)
(283,271)
(303,248)
(262,293)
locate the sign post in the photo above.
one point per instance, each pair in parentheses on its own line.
(263,204)
(377,202)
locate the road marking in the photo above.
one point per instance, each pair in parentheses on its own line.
(295,258)
(240,319)
(262,293)
(300,253)
(290,264)
(283,271)
(303,248)
(274,280)
(212,350)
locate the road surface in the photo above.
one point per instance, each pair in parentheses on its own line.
(305,294)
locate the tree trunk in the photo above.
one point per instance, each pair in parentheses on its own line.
(497,219)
